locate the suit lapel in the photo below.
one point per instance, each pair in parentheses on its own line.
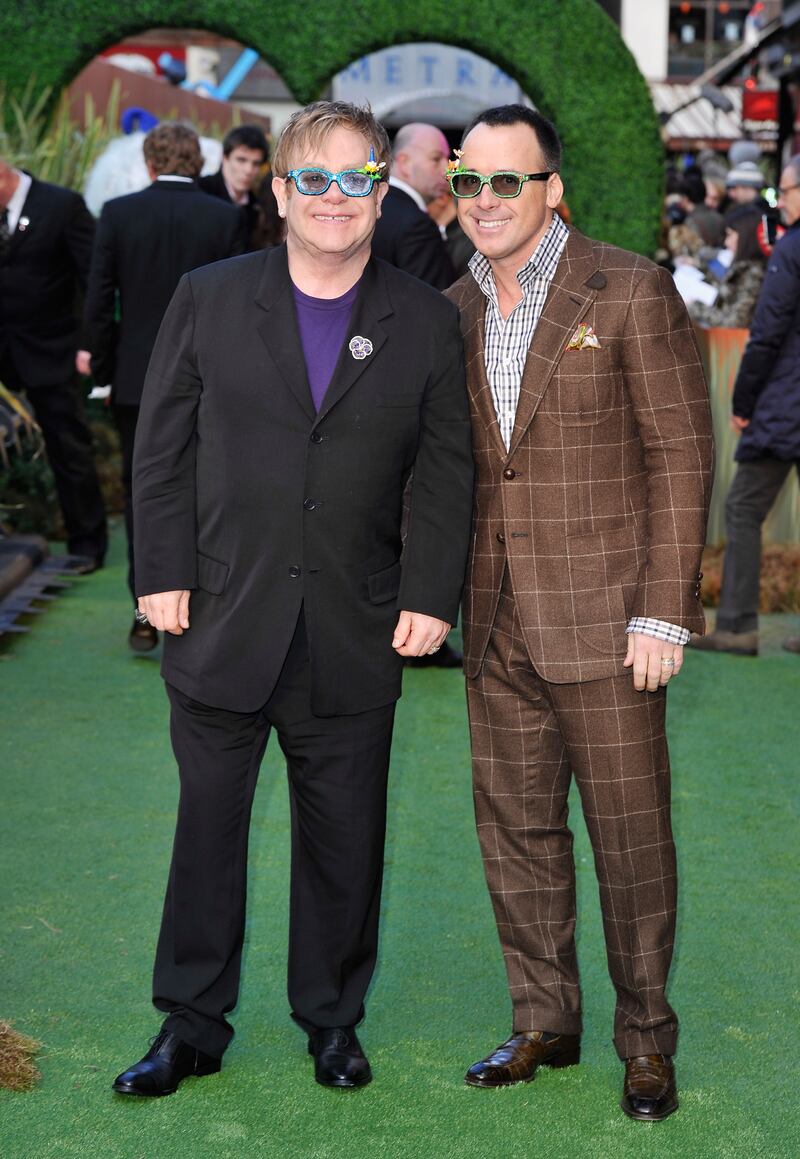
(371,306)
(473,326)
(31,217)
(277,327)
(568,299)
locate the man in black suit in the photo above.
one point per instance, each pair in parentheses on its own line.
(406,235)
(45,247)
(245,152)
(290,395)
(145,242)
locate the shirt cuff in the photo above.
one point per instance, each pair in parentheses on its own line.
(670,633)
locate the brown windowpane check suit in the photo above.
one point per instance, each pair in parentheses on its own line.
(595,514)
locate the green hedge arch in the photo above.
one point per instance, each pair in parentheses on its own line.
(567,54)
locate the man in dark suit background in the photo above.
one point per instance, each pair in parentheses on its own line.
(406,235)
(145,242)
(290,395)
(45,247)
(245,152)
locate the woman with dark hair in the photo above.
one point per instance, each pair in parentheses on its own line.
(741,285)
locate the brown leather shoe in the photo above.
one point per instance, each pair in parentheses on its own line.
(738,643)
(649,1093)
(516,1060)
(791,644)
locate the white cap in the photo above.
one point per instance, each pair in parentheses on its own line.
(748,174)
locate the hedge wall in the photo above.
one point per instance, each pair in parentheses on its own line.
(567,54)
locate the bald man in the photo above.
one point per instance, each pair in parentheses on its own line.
(405,234)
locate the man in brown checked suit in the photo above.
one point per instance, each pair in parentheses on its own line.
(593,448)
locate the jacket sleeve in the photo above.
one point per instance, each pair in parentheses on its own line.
(79,236)
(773,320)
(164,495)
(664,381)
(99,318)
(440,515)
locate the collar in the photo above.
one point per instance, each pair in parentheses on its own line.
(175,177)
(18,198)
(542,262)
(412,193)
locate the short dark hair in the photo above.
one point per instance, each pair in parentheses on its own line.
(546,133)
(246,137)
(693,187)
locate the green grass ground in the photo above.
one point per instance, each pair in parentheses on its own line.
(88,800)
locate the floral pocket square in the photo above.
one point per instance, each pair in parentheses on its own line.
(584,338)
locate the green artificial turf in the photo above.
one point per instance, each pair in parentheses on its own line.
(88,800)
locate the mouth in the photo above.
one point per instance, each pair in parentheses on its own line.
(489,223)
(336,218)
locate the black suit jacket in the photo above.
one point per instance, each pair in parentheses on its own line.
(145,242)
(410,240)
(214,184)
(245,495)
(46,264)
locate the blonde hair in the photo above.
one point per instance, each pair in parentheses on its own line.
(310,127)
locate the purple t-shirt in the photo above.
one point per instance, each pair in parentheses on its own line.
(323,326)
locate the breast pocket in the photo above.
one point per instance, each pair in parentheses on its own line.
(584,389)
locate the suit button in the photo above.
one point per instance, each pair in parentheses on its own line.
(500,537)
(316,437)
(509,473)
(309,504)
(294,572)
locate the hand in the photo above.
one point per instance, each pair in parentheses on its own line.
(738,424)
(83,362)
(167,611)
(645,654)
(418,635)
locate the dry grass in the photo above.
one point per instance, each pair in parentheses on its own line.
(17,1069)
(780,577)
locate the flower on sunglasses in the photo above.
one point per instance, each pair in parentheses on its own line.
(372,168)
(454,164)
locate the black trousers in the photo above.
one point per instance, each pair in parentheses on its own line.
(125,419)
(69,451)
(337,769)
(755,488)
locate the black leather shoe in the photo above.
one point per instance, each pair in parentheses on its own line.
(339,1060)
(445,657)
(518,1058)
(166,1064)
(84,564)
(142,637)
(649,1093)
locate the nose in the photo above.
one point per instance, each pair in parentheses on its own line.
(487,198)
(334,193)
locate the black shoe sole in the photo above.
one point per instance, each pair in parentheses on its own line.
(569,1058)
(344,1084)
(129,1091)
(650,1118)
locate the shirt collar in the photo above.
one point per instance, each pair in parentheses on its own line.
(412,193)
(175,177)
(542,263)
(18,199)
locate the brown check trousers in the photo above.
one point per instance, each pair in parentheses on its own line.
(529,738)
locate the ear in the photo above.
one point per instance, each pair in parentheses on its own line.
(383,189)
(555,191)
(281,191)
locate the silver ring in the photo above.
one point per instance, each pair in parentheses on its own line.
(140,617)
(436,649)
(668,663)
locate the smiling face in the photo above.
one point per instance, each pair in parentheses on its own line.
(330,224)
(507,230)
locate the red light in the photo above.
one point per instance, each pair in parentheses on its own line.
(686,9)
(750,83)
(724,8)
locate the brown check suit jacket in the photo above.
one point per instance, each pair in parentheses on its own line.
(599,507)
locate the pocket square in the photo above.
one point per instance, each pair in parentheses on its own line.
(584,338)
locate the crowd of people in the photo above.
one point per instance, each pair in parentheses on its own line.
(321,449)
